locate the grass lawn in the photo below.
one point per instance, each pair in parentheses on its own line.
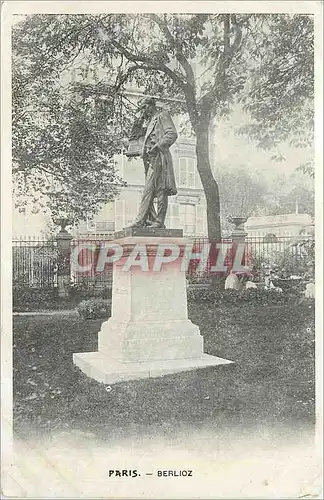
(271,382)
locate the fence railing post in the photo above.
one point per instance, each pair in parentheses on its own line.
(63,239)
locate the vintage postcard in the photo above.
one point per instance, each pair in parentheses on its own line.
(161,256)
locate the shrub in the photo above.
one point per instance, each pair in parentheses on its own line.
(193,279)
(262,296)
(84,285)
(209,294)
(33,299)
(94,308)
(295,259)
(106,293)
(89,287)
(201,294)
(237,297)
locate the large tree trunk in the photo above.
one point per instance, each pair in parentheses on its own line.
(209,184)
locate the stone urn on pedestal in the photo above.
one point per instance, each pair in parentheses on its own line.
(239,254)
(63,240)
(238,221)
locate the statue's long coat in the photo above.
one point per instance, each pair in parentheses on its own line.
(165,134)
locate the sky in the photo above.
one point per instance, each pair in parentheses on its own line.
(235,151)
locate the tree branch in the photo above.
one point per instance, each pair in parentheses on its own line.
(238,35)
(231,49)
(227,26)
(226,57)
(177,46)
(189,86)
(123,79)
(255,43)
(150,63)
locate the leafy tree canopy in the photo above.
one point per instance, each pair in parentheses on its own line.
(281,89)
(207,61)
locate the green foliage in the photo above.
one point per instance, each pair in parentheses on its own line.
(240,192)
(25,298)
(64,140)
(201,294)
(217,297)
(285,191)
(206,61)
(307,168)
(306,248)
(94,308)
(89,286)
(243,192)
(106,293)
(280,92)
(298,260)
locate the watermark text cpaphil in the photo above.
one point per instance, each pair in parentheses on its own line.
(218,258)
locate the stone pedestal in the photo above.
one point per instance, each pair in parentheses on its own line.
(149,333)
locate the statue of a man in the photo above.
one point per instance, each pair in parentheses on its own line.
(156,132)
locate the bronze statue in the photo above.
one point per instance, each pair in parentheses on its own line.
(151,137)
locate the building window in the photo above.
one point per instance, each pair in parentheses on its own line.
(187,219)
(201,220)
(173,216)
(187,171)
(105,226)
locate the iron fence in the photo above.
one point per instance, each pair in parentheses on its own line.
(35,260)
(91,281)
(286,256)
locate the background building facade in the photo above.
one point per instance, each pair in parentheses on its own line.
(278,226)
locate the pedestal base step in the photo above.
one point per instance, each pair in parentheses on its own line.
(109,371)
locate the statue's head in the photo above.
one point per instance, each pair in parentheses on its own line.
(147,106)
